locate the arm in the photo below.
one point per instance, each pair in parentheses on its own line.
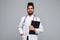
(40,29)
(20,26)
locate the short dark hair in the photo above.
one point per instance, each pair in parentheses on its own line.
(30,4)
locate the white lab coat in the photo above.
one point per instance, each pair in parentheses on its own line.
(25,28)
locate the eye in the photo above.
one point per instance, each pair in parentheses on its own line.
(31,8)
(28,8)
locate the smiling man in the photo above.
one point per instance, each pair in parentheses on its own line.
(25,24)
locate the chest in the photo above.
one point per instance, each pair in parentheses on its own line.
(27,20)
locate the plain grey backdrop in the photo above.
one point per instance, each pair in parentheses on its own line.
(12,10)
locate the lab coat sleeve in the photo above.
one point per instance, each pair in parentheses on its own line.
(40,29)
(20,26)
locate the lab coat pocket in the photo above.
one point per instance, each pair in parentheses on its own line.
(23,37)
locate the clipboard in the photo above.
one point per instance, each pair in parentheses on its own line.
(35,24)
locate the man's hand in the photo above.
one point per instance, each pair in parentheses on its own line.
(22,34)
(31,27)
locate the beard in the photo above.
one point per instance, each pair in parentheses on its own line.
(30,13)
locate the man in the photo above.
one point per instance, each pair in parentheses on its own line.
(25,24)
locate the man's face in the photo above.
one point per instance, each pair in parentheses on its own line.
(30,10)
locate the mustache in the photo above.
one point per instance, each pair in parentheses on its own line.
(29,11)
